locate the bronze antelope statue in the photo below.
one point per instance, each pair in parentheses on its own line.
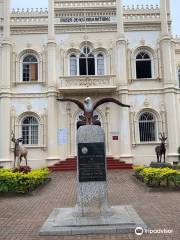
(19,151)
(161,149)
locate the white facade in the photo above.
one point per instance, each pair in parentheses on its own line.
(132,57)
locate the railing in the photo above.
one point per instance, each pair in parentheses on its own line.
(78,82)
(29,11)
(64,4)
(29,16)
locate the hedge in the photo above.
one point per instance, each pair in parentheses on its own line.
(158,176)
(19,182)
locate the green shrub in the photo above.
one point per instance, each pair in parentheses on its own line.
(138,169)
(179,153)
(19,182)
(178,166)
(157,176)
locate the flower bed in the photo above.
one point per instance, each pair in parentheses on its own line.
(20,182)
(158,176)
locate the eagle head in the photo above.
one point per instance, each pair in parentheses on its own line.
(88,105)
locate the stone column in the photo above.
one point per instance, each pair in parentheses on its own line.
(164,19)
(122,83)
(51,31)
(121,48)
(125,136)
(172,124)
(119,17)
(52,91)
(6,19)
(5,91)
(121,64)
(171,103)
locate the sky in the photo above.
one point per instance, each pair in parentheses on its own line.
(175,7)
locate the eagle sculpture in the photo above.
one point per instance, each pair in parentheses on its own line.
(89,107)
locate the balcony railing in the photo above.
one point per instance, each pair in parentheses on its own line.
(106,82)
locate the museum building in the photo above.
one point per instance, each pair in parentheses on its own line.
(79,49)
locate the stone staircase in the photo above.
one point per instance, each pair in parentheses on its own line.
(70,164)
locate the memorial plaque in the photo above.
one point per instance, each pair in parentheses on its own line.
(91,162)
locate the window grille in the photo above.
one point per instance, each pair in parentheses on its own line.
(100,64)
(143,65)
(30,130)
(147,127)
(86,62)
(30,68)
(73,65)
(179,77)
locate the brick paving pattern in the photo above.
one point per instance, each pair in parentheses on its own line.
(22,216)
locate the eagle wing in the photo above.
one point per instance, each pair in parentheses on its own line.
(77,102)
(106,100)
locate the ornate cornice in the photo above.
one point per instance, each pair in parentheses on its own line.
(100,15)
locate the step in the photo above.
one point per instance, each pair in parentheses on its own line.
(70,164)
(122,167)
(65,164)
(64,169)
(74,168)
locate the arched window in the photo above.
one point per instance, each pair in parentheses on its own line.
(86,62)
(147,127)
(179,77)
(30,128)
(73,65)
(100,64)
(143,65)
(29,68)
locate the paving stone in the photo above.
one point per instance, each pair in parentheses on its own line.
(21,217)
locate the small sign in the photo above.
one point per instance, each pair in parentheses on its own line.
(87,19)
(62,136)
(115,138)
(91,162)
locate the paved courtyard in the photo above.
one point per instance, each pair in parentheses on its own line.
(22,216)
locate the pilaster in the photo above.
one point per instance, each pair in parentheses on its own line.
(172,124)
(5,83)
(125,144)
(52,91)
(119,17)
(121,48)
(121,63)
(168,76)
(51,31)
(6,8)
(164,18)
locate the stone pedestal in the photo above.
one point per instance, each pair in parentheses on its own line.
(91,172)
(91,215)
